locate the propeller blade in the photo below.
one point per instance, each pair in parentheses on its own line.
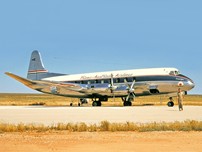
(133,84)
(112,80)
(126,82)
(128,96)
(130,90)
(112,87)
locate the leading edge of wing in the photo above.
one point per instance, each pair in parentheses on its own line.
(20,79)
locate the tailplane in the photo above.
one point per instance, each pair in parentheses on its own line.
(36,69)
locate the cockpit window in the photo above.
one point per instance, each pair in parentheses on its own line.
(174,73)
(177,72)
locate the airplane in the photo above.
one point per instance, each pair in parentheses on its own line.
(100,86)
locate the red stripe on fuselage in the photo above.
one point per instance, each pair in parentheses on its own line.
(37,71)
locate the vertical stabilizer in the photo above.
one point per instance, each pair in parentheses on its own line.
(36,69)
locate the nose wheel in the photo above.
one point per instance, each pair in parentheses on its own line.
(170,102)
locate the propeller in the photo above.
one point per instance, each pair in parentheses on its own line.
(130,90)
(112,87)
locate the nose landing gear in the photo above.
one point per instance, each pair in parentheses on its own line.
(170,102)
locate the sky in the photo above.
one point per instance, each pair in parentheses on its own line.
(82,36)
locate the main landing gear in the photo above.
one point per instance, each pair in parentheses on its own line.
(96,102)
(127,102)
(80,102)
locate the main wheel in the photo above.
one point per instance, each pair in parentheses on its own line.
(96,103)
(99,103)
(127,103)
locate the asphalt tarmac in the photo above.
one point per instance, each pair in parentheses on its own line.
(90,115)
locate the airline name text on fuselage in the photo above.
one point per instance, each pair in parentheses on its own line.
(104,76)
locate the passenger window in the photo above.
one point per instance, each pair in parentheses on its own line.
(97,81)
(121,80)
(116,80)
(107,81)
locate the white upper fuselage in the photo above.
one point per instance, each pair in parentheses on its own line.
(116,74)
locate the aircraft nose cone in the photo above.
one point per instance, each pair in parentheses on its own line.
(191,84)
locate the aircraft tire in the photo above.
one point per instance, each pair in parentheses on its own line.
(99,103)
(96,103)
(170,104)
(127,103)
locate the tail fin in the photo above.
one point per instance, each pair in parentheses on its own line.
(36,69)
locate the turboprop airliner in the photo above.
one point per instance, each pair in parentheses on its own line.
(100,86)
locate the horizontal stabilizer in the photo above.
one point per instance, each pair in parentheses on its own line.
(45,86)
(20,79)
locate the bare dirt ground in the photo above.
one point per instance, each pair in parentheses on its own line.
(63,141)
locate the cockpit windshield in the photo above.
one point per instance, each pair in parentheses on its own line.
(174,73)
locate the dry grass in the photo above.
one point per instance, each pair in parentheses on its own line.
(51,100)
(33,99)
(189,125)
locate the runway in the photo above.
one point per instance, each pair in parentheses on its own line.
(90,115)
